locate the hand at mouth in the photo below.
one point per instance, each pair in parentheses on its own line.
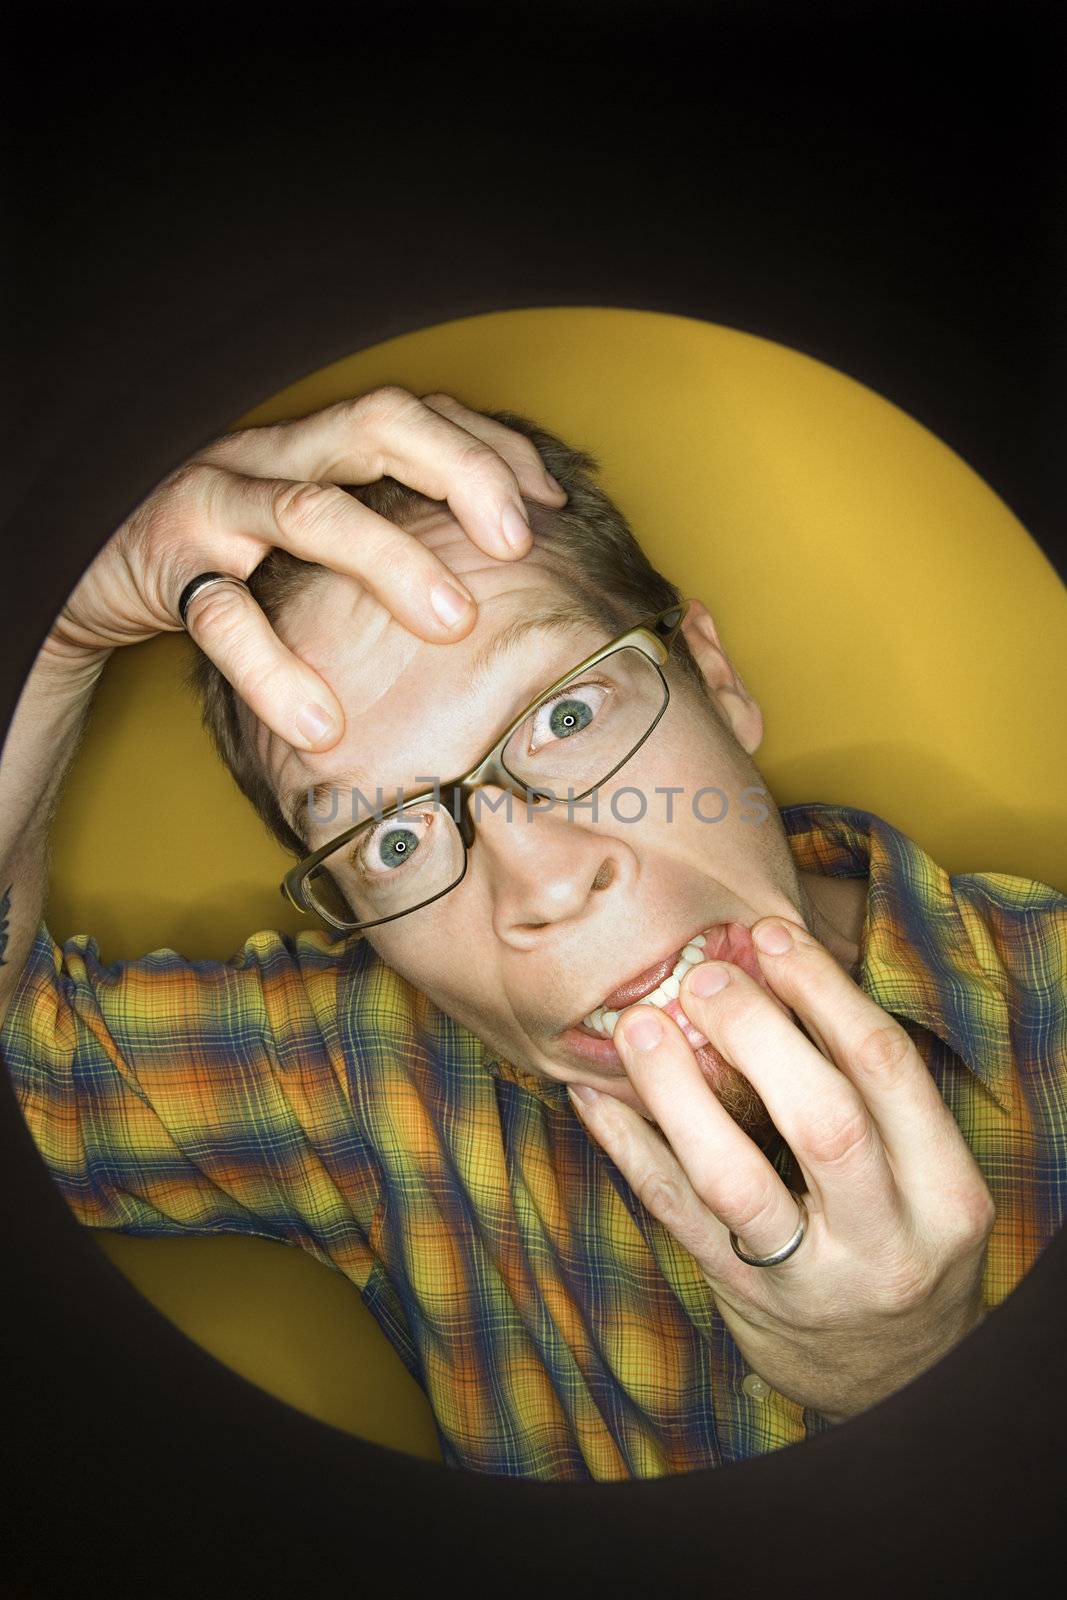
(589,1040)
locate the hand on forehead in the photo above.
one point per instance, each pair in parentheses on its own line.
(392,684)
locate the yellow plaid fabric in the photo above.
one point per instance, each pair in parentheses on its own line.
(302,1092)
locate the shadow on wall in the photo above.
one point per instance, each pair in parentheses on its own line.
(286,1323)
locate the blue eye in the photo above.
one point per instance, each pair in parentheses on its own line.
(411,840)
(569,716)
(396,846)
(390,845)
(575,709)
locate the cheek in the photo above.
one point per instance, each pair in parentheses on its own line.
(428,956)
(698,800)
(698,749)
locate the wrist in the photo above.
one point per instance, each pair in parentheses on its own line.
(61,660)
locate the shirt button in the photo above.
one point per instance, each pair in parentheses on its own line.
(755,1387)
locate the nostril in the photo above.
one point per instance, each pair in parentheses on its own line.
(605,876)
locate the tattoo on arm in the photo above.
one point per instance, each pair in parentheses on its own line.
(5,907)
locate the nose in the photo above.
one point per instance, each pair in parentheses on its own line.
(545,870)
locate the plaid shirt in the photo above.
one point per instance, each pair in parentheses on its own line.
(304,1093)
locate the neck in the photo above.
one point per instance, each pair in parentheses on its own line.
(834,910)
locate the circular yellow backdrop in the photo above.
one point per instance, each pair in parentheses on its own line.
(905,636)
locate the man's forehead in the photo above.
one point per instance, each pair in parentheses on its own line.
(425,710)
(395,687)
(337,619)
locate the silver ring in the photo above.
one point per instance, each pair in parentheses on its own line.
(204,580)
(787,1249)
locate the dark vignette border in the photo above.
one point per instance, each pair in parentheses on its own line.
(204,216)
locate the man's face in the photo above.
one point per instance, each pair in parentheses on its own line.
(554,914)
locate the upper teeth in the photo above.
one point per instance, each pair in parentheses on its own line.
(602,1021)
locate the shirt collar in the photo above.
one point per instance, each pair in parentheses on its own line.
(917,958)
(915,951)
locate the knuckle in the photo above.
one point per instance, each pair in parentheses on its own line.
(885,1051)
(812,965)
(232,445)
(529,452)
(522,453)
(972,1215)
(738,1010)
(750,1208)
(905,1282)
(983,1214)
(382,406)
(659,1192)
(440,401)
(480,462)
(195,480)
(840,1139)
(261,684)
(178,508)
(299,507)
(218,617)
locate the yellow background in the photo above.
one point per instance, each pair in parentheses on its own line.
(905,636)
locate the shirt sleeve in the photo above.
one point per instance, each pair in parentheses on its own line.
(175,1097)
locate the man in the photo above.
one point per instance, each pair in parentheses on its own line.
(656,1127)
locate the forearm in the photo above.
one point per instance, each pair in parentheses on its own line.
(48,724)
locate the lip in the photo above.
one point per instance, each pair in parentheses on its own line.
(720,938)
(724,941)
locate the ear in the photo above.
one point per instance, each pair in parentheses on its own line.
(736,706)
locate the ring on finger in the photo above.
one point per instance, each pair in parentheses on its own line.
(787,1249)
(205,580)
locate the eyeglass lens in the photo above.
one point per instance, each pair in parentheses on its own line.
(568,745)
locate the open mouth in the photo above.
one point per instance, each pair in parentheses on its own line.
(659,985)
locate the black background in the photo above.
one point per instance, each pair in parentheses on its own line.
(206,205)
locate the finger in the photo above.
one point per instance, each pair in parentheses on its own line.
(420,447)
(390,431)
(732,1178)
(281,690)
(321,523)
(659,1181)
(874,1052)
(818,1112)
(518,451)
(331,445)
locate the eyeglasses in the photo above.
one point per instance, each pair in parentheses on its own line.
(572,739)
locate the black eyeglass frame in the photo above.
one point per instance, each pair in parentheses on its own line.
(653,638)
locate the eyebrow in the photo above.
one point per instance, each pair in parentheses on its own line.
(562,616)
(558,616)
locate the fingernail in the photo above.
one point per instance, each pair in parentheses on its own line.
(583,1093)
(315,722)
(450,605)
(516,528)
(643,1032)
(773,937)
(708,978)
(554,484)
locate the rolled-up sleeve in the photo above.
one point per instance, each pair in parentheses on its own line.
(174,1097)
